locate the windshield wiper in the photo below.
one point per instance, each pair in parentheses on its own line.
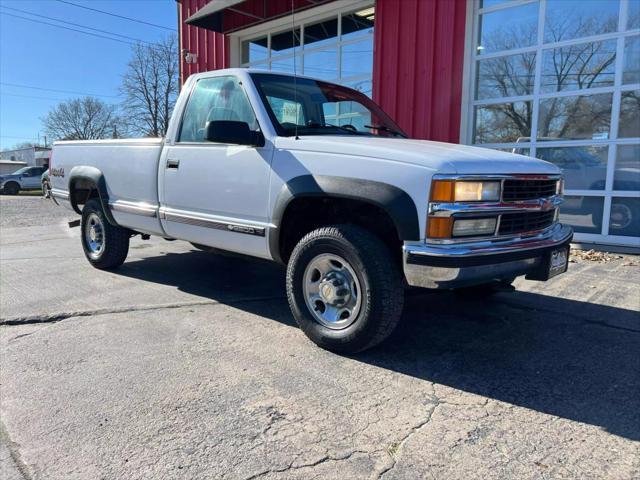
(384,128)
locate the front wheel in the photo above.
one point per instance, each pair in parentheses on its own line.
(344,288)
(11,188)
(105,246)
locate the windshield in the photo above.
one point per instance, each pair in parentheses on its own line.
(21,171)
(313,107)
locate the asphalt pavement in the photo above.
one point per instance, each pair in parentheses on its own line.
(188,365)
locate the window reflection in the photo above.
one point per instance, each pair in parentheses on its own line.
(631,70)
(575,67)
(358,23)
(357,58)
(283,43)
(322,64)
(569,19)
(584,214)
(579,117)
(255,50)
(506,76)
(503,122)
(625,217)
(508,29)
(629,125)
(633,14)
(584,168)
(321,33)
(627,172)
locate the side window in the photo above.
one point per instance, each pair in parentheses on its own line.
(219,98)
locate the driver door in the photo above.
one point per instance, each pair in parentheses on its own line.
(216,194)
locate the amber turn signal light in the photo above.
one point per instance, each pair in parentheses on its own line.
(439,227)
(443,190)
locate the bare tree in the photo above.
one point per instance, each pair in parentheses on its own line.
(150,87)
(81,119)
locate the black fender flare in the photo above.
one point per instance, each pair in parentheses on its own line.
(95,178)
(397,203)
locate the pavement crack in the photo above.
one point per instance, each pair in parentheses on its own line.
(395,447)
(325,458)
(14,452)
(57,317)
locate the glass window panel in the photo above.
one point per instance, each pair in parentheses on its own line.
(502,122)
(491,3)
(633,14)
(584,168)
(625,217)
(254,50)
(575,67)
(353,113)
(287,111)
(321,33)
(580,117)
(627,172)
(364,86)
(284,42)
(507,76)
(584,214)
(357,58)
(508,28)
(286,64)
(517,150)
(568,19)
(631,70)
(358,23)
(322,64)
(220,98)
(629,125)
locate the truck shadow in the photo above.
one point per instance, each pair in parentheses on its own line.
(557,356)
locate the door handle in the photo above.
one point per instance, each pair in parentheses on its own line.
(173,163)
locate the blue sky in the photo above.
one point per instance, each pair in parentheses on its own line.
(47,57)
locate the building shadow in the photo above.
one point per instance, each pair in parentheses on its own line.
(560,357)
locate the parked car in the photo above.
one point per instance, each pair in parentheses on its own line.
(316,176)
(46,184)
(584,170)
(27,178)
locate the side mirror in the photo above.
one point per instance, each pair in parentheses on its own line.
(229,131)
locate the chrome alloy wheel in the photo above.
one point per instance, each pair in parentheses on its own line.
(94,235)
(332,291)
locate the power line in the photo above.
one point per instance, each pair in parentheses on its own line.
(116,15)
(2,94)
(76,24)
(67,28)
(19,85)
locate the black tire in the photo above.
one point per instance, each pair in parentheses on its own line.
(45,189)
(115,240)
(11,188)
(381,288)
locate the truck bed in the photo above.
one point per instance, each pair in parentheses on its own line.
(130,169)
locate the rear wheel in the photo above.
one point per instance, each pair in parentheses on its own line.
(11,188)
(344,289)
(105,245)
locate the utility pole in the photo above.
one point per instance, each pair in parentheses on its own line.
(45,141)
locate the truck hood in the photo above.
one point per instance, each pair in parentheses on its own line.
(9,177)
(445,158)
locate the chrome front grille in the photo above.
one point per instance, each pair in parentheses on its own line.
(514,190)
(513,223)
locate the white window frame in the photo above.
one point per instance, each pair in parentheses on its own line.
(312,15)
(469,103)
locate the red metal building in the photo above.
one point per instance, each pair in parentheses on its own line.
(420,88)
(505,74)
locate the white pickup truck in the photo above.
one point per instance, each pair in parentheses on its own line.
(316,176)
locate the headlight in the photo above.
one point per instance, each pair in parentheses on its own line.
(560,187)
(465,191)
(465,227)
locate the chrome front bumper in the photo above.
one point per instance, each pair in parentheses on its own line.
(464,264)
